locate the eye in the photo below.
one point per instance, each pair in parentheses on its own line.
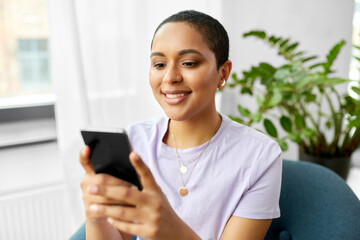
(159,66)
(190,64)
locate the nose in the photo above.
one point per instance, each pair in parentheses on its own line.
(172,74)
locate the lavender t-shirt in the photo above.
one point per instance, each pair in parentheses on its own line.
(238,174)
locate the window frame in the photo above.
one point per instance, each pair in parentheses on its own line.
(30,117)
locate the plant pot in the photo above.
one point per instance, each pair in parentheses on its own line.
(340,165)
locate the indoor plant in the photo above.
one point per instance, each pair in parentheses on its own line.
(302,97)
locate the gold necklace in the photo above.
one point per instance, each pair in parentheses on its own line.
(183,191)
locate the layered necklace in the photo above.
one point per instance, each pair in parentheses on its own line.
(183,167)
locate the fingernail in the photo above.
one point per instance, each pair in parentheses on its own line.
(93,189)
(110,220)
(136,158)
(94,207)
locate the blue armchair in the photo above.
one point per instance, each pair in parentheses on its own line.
(315,203)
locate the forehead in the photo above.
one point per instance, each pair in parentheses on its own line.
(178,35)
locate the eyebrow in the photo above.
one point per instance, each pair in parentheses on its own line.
(182,52)
(185,51)
(157,54)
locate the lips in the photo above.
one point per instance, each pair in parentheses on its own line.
(175,97)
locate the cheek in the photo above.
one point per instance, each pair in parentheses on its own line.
(203,79)
(154,80)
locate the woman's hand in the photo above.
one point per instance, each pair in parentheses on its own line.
(90,187)
(151,218)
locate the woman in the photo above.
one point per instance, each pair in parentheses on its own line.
(203,176)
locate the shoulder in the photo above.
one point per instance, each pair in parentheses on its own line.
(257,152)
(143,132)
(243,136)
(145,127)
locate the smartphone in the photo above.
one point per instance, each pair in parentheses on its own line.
(110,151)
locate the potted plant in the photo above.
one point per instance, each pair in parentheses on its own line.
(302,97)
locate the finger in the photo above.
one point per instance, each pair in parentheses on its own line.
(123,213)
(97,199)
(106,179)
(85,159)
(93,187)
(130,228)
(146,178)
(122,194)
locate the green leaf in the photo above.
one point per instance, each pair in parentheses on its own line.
(276,98)
(283,144)
(316,65)
(274,39)
(356,46)
(355,122)
(260,102)
(267,68)
(357,58)
(331,56)
(298,75)
(306,81)
(283,43)
(286,123)
(299,121)
(350,105)
(246,74)
(243,111)
(299,54)
(258,34)
(356,90)
(295,136)
(308,59)
(246,90)
(236,119)
(234,76)
(270,128)
(291,47)
(328,124)
(257,117)
(333,81)
(282,74)
(308,133)
(310,98)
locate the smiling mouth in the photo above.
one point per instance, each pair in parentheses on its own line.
(176,95)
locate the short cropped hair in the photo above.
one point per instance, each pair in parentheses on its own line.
(211,30)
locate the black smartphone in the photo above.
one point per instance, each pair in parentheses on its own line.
(110,151)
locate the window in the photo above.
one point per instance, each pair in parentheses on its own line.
(33,63)
(26,97)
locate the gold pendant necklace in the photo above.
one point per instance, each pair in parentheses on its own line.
(183,167)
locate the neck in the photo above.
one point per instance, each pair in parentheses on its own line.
(192,132)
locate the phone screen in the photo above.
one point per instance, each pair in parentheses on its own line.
(110,154)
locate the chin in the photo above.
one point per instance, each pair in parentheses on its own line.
(175,115)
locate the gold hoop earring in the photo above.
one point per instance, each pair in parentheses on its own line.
(223,84)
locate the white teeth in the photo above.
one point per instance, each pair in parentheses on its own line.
(175,95)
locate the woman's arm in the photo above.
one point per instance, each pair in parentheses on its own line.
(244,228)
(147,213)
(97,227)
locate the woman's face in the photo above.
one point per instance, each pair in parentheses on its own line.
(183,72)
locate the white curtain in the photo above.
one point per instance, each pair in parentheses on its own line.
(99,59)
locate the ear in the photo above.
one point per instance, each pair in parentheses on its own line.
(224,72)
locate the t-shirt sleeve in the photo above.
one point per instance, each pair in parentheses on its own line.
(261,200)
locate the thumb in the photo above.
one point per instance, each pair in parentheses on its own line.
(85,159)
(146,178)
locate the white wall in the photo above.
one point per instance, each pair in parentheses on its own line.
(316,24)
